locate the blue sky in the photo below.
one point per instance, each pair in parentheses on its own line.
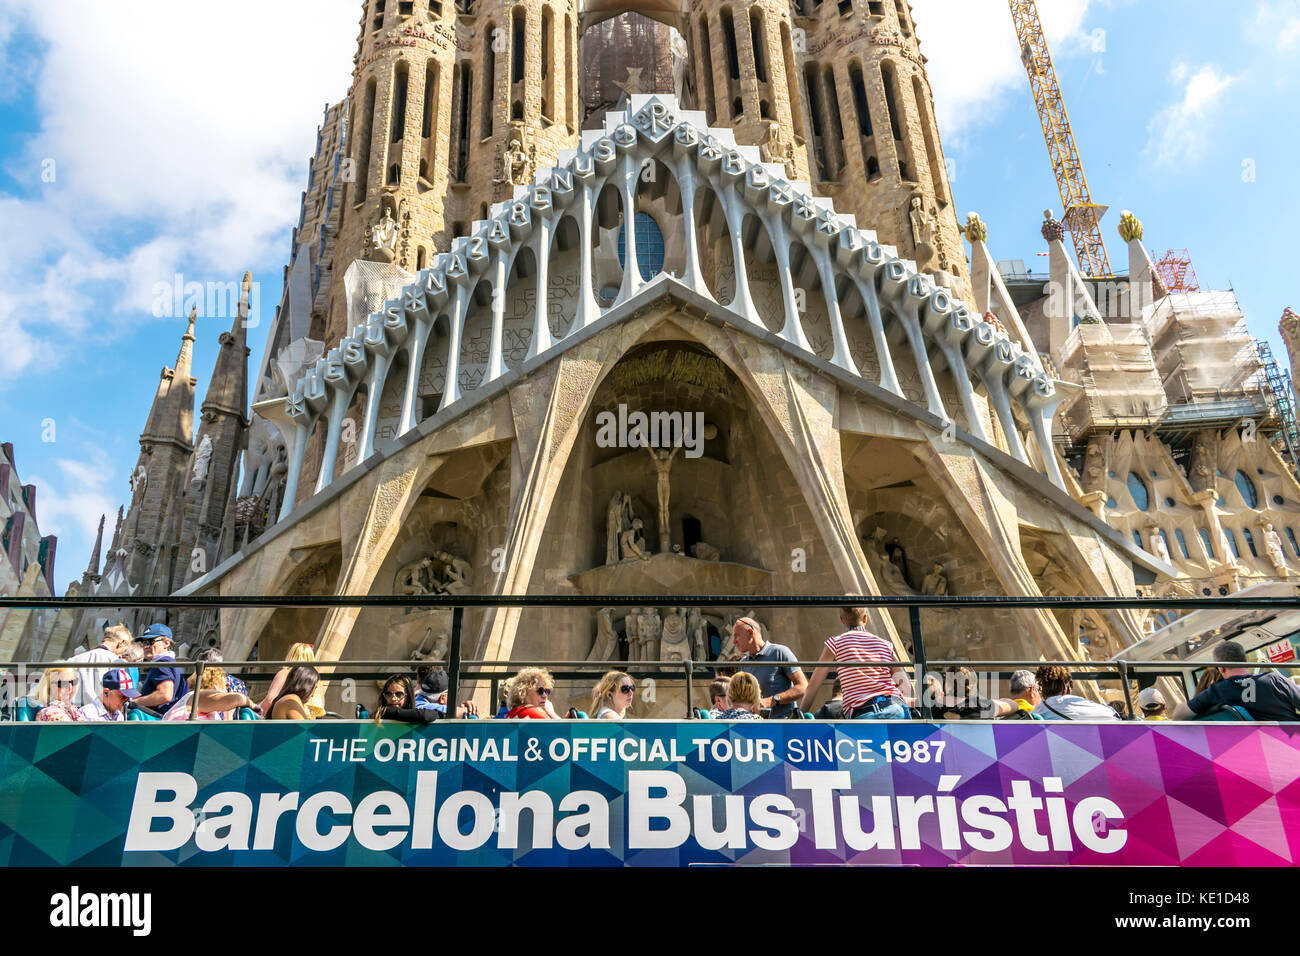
(181,147)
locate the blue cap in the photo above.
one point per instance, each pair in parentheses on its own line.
(120,680)
(154,631)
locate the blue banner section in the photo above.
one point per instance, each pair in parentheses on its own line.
(564,793)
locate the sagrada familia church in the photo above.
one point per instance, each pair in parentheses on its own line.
(853,396)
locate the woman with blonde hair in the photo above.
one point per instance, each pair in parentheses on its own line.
(300,653)
(56,691)
(215,701)
(529,695)
(612,697)
(743,696)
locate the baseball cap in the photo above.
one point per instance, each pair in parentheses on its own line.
(154,631)
(1150,698)
(120,680)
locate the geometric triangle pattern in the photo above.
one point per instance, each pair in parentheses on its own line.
(649,793)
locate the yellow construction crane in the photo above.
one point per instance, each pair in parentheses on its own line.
(1082,215)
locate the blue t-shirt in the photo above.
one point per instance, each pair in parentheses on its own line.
(156,675)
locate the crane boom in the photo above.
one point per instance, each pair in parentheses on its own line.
(1082,215)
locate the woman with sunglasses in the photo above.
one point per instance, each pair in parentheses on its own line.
(530,695)
(57,689)
(612,696)
(398,701)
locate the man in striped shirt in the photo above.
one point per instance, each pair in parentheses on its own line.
(870,693)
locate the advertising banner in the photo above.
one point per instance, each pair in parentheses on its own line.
(648,793)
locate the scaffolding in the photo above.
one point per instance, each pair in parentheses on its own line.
(1176,272)
(1121,388)
(1281,397)
(1202,350)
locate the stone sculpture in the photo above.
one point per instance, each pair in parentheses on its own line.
(1273,546)
(618,518)
(698,630)
(416,577)
(936,582)
(923,229)
(606,646)
(1158,546)
(651,632)
(674,644)
(381,238)
(632,542)
(457,574)
(202,460)
(705,552)
(515,165)
(632,633)
(663,463)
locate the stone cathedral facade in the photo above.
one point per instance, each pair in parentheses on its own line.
(521,259)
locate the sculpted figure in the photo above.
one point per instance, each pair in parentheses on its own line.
(923,228)
(381,238)
(651,632)
(606,646)
(663,463)
(1158,546)
(457,575)
(705,552)
(632,633)
(1273,545)
(674,644)
(202,460)
(632,542)
(936,582)
(416,577)
(699,633)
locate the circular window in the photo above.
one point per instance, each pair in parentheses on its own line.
(1221,503)
(1110,503)
(1249,493)
(1111,474)
(1138,490)
(1205,591)
(1279,500)
(649,246)
(1153,474)
(1169,502)
(609,293)
(1260,472)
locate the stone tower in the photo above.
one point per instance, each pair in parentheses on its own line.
(839,93)
(211,482)
(158,481)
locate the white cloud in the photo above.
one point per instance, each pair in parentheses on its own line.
(70,505)
(185,128)
(1280,23)
(974,55)
(1180,132)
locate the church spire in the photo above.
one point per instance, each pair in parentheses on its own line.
(92,569)
(171,419)
(117,532)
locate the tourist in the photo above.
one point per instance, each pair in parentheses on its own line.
(954,694)
(1265,696)
(1055,682)
(432,694)
(115,641)
(1026,695)
(872,693)
(833,709)
(398,701)
(161,686)
(529,695)
(1152,704)
(1209,677)
(781,687)
(133,654)
(210,655)
(299,653)
(116,688)
(743,698)
(718,695)
(612,696)
(215,701)
(56,691)
(295,691)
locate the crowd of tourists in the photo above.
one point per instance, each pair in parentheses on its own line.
(765,683)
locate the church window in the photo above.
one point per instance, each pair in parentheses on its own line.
(1138,490)
(1250,542)
(706,84)
(1294,545)
(792,81)
(1232,542)
(729,41)
(876,8)
(430,96)
(846,7)
(401,85)
(904,21)
(1182,542)
(649,246)
(548,75)
(460,134)
(1249,493)
(406,7)
(363,155)
(931,147)
(1209,546)
(435,8)
(517,48)
(1279,500)
(836,130)
(860,100)
(395,174)
(1137,539)
(756,38)
(419,259)
(489,75)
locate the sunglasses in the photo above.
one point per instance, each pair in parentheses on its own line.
(64,683)
(394,693)
(544,691)
(628,689)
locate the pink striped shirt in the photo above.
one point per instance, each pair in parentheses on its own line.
(861,684)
